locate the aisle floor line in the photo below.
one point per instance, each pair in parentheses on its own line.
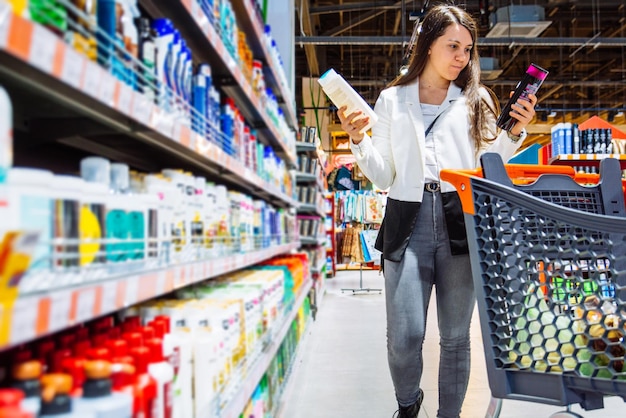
(342,371)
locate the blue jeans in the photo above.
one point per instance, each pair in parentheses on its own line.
(408,286)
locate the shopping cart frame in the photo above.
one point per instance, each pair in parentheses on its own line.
(525,384)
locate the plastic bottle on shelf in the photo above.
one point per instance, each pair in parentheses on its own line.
(177,351)
(49,13)
(55,399)
(25,377)
(67,194)
(83,37)
(11,401)
(130,35)
(145,387)
(135,212)
(93,214)
(163,372)
(98,398)
(147,55)
(164,40)
(167,194)
(200,99)
(181,225)
(30,209)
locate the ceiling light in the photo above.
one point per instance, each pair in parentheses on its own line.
(518,22)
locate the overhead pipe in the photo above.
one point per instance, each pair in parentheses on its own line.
(510,42)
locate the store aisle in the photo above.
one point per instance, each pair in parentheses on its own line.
(341,370)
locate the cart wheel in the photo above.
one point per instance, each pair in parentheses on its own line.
(494,408)
(565,414)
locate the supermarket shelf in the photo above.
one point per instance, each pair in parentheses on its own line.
(309,178)
(297,359)
(305,147)
(206,44)
(311,209)
(34,316)
(312,240)
(252,24)
(39,64)
(254,375)
(586,159)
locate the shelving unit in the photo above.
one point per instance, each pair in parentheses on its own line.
(310,190)
(331,239)
(585,160)
(67,106)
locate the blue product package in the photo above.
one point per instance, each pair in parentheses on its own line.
(164,39)
(107,21)
(198,122)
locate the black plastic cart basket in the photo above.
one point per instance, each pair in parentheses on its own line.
(549,268)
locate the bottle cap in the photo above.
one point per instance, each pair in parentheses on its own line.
(155,346)
(120,177)
(54,384)
(98,353)
(117,348)
(141,357)
(10,397)
(95,170)
(148,332)
(27,370)
(97,369)
(134,339)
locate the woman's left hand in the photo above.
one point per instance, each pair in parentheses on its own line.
(523,111)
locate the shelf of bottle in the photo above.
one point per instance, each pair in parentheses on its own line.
(302,177)
(586,159)
(37,314)
(309,208)
(256,371)
(308,240)
(305,146)
(241,90)
(45,62)
(255,30)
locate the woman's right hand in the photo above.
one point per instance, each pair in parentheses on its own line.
(351,126)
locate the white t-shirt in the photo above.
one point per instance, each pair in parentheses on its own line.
(429,112)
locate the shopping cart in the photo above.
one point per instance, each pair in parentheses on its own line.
(549,268)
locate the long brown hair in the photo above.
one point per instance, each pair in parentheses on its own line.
(435,23)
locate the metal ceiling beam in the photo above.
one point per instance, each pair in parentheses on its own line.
(353,7)
(509,42)
(364,17)
(548,82)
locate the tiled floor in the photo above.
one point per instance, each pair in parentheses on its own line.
(341,370)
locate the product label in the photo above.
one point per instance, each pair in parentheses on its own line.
(35,214)
(117,235)
(65,221)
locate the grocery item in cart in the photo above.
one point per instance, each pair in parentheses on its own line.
(549,269)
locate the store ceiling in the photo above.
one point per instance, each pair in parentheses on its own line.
(583,46)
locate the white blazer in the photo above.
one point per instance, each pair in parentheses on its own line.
(394,157)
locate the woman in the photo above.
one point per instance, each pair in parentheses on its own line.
(435,116)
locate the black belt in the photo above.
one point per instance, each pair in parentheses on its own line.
(433,187)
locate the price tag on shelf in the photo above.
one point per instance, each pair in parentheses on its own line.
(124,98)
(59,311)
(109,293)
(6,15)
(132,290)
(84,301)
(24,320)
(107,88)
(147,287)
(161,287)
(91,79)
(73,65)
(142,108)
(43,47)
